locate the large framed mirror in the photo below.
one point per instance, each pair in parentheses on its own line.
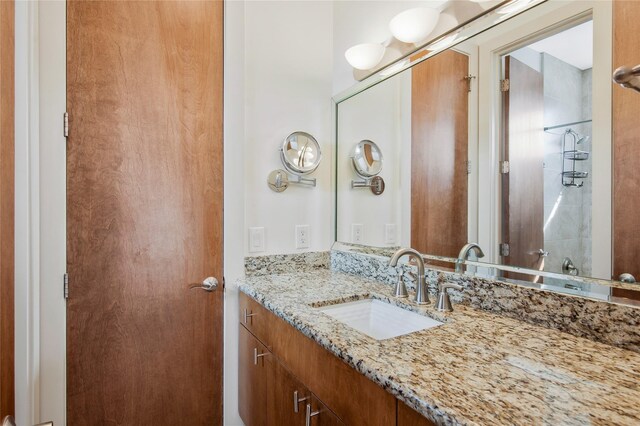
(503,139)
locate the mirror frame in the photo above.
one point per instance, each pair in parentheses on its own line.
(292,168)
(357,148)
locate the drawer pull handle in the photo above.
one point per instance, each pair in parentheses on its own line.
(297,401)
(310,414)
(247,315)
(256,355)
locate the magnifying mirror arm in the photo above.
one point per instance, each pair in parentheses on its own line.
(376,184)
(361,183)
(302,180)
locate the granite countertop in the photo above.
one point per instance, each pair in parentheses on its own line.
(477,369)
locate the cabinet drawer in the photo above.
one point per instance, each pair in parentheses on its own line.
(255,318)
(252,379)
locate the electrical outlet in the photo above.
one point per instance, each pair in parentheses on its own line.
(256,240)
(302,236)
(357,233)
(390,233)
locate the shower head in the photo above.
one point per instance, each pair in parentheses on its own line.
(583,139)
(578,138)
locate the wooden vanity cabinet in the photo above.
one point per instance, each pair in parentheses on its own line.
(269,395)
(286,396)
(252,379)
(336,392)
(320,415)
(409,417)
(255,318)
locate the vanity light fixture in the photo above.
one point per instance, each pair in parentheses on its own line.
(414,25)
(300,155)
(365,56)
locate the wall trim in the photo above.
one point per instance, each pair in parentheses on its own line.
(27,214)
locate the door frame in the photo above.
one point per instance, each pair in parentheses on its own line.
(41,213)
(27,214)
(549,17)
(7,207)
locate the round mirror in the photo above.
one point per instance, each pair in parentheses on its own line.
(367,159)
(300,153)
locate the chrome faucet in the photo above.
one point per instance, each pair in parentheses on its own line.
(422,297)
(464,254)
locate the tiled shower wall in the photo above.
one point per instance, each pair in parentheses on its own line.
(567,210)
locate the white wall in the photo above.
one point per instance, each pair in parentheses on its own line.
(26,161)
(288,57)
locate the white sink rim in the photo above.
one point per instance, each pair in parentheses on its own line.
(377,319)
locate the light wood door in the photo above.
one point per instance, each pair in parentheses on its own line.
(7,182)
(626,146)
(252,379)
(144,221)
(523,185)
(286,396)
(439,154)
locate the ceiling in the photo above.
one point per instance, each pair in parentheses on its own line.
(573,46)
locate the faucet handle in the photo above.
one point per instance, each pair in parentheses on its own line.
(400,290)
(444,302)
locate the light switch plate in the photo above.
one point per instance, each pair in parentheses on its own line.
(390,233)
(302,236)
(256,240)
(357,233)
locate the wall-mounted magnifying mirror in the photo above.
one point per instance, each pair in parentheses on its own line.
(367,162)
(300,155)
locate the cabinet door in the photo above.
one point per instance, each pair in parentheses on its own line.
(286,396)
(409,417)
(252,380)
(317,414)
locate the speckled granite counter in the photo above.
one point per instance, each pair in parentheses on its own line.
(478,368)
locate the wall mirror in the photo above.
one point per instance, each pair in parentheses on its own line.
(503,138)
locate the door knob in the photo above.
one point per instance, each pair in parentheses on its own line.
(627,278)
(209,284)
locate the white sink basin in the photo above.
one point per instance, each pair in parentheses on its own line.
(378,319)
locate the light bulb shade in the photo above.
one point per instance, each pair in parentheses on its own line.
(414,25)
(364,56)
